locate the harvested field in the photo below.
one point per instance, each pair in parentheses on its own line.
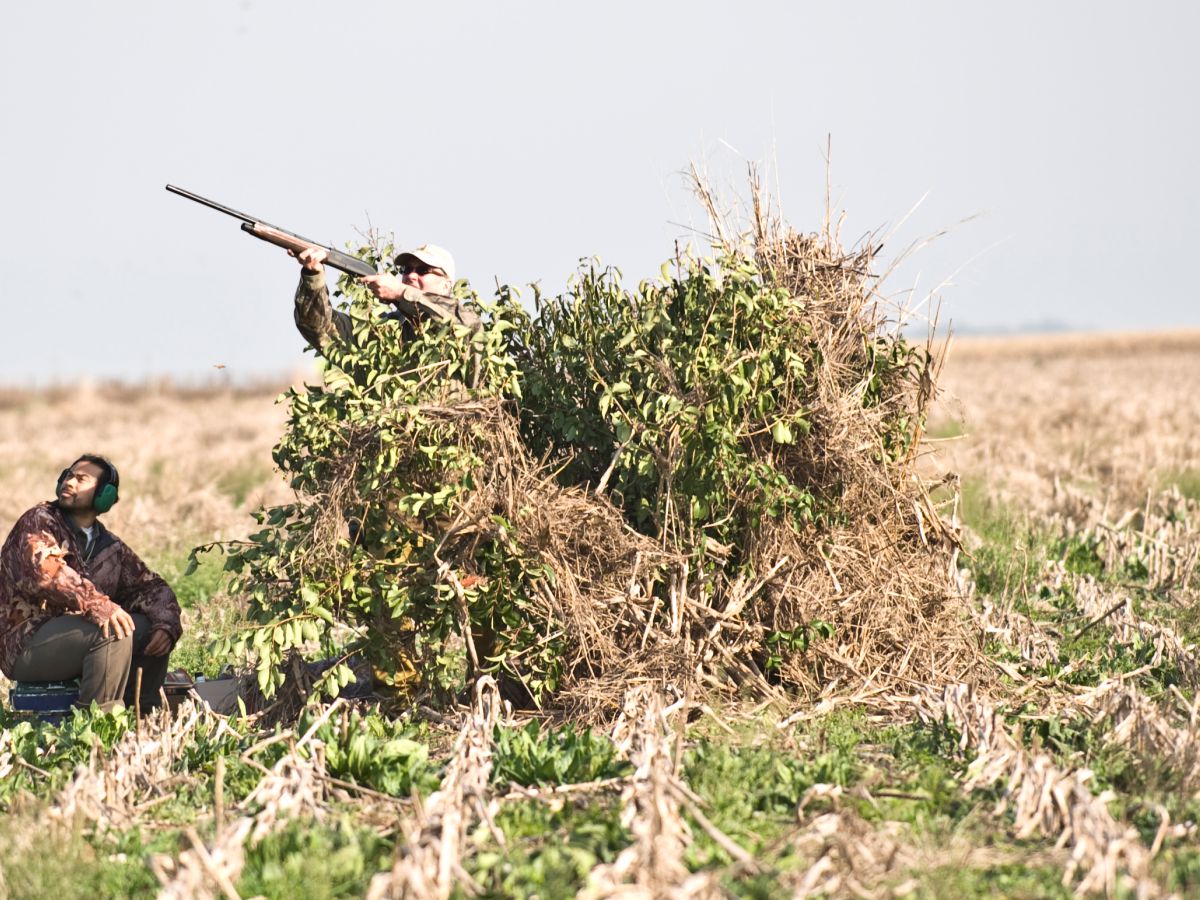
(1070,764)
(1112,416)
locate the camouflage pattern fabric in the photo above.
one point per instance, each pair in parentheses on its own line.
(320,323)
(43,574)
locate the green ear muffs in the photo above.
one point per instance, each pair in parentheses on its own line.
(105,498)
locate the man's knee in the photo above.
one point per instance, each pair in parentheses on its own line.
(109,643)
(61,648)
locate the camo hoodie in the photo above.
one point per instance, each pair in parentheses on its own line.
(44,573)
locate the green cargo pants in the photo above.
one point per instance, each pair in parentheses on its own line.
(67,647)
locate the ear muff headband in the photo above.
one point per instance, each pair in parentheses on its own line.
(106,489)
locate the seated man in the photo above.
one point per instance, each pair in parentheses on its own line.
(76,602)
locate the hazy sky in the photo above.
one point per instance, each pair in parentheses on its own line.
(524,136)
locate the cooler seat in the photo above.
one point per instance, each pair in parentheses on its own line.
(49,701)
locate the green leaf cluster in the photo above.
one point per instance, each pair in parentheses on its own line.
(381,464)
(689,391)
(384,755)
(530,757)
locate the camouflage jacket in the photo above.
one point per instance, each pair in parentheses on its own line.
(44,573)
(320,323)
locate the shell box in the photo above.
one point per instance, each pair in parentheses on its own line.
(50,700)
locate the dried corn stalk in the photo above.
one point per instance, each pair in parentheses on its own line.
(140,768)
(1016,631)
(850,856)
(429,862)
(1144,726)
(296,786)
(1044,798)
(653,866)
(1103,604)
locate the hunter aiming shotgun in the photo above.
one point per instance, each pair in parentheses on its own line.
(280,237)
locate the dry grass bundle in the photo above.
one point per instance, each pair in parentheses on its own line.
(599,592)
(884,574)
(595,596)
(603,572)
(709,553)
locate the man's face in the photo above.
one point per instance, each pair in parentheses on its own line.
(79,487)
(423,277)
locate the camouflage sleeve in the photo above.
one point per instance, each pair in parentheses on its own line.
(143,591)
(315,317)
(40,572)
(414,302)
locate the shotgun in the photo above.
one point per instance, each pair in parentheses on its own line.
(280,237)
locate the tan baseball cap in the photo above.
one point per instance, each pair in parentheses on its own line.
(431,255)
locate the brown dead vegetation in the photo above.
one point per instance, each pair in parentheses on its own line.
(886,574)
(429,862)
(1043,798)
(1044,420)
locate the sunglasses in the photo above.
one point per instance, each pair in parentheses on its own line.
(422,269)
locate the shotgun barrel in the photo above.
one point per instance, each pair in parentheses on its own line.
(281,237)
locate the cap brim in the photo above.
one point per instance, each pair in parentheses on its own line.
(409,255)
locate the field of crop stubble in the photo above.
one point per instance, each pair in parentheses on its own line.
(1074,766)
